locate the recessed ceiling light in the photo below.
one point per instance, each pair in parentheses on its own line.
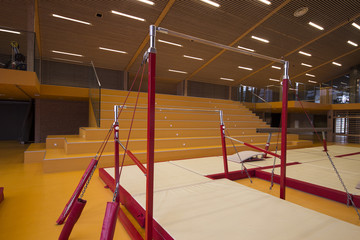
(310,81)
(245,68)
(352,43)
(343,83)
(301,11)
(247,49)
(112,50)
(265,1)
(306,65)
(227,79)
(316,26)
(147,2)
(260,39)
(66,53)
(356,25)
(195,58)
(276,67)
(270,85)
(67,60)
(337,64)
(211,3)
(309,75)
(127,15)
(9,31)
(274,80)
(171,43)
(177,71)
(305,53)
(71,19)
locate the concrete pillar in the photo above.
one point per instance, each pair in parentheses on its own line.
(125,80)
(30,36)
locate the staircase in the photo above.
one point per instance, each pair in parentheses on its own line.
(179,134)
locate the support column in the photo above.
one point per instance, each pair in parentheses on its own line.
(185,87)
(126,80)
(30,36)
(230,88)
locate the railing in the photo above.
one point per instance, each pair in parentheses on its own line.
(19,50)
(95,94)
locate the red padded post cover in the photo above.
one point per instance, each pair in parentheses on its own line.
(108,228)
(72,218)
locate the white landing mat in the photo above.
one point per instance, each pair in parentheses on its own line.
(322,176)
(221,209)
(166,174)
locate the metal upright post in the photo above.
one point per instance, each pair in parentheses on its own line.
(150,136)
(116,152)
(284,130)
(223,143)
(267,145)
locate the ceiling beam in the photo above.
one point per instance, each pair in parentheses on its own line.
(146,40)
(300,47)
(239,38)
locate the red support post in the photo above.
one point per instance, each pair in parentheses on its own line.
(150,146)
(223,143)
(116,157)
(283,136)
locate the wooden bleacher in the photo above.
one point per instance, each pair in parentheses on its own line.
(179,134)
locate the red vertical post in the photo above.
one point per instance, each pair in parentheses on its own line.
(116,153)
(223,143)
(150,145)
(284,131)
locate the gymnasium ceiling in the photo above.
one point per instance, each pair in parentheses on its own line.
(233,23)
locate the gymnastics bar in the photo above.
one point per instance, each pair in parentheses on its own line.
(284,95)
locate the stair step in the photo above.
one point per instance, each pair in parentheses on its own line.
(35,153)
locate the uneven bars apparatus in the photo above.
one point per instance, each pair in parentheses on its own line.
(151,57)
(284,96)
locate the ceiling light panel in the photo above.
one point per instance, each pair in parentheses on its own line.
(170,43)
(305,53)
(265,1)
(352,43)
(274,80)
(212,3)
(260,39)
(337,64)
(245,68)
(9,31)
(227,79)
(177,71)
(127,15)
(356,25)
(112,50)
(71,19)
(316,26)
(309,75)
(147,2)
(195,58)
(276,67)
(246,49)
(306,65)
(67,53)
(310,81)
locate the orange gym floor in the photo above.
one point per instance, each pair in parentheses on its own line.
(33,200)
